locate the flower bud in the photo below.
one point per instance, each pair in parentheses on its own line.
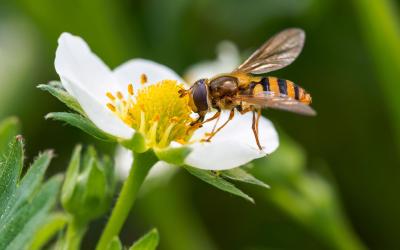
(88,186)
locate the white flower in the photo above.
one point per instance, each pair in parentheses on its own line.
(118,103)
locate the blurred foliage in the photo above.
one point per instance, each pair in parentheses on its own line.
(349,64)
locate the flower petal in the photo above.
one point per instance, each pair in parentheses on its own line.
(234,145)
(98,113)
(88,79)
(77,63)
(131,71)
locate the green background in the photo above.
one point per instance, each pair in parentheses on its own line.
(350,64)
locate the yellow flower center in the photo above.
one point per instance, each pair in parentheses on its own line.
(157,111)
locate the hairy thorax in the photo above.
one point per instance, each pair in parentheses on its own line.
(223,89)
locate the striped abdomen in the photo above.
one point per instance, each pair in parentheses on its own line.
(282,86)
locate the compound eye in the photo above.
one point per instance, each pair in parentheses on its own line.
(200,95)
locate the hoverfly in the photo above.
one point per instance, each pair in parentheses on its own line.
(246,90)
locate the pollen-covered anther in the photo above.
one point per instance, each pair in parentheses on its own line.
(111,107)
(110,96)
(130,89)
(143,78)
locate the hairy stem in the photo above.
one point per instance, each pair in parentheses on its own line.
(140,167)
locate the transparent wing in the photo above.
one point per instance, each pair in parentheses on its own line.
(278,52)
(269,99)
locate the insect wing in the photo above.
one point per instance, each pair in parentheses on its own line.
(278,52)
(269,99)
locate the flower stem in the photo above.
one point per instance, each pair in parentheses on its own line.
(75,231)
(140,167)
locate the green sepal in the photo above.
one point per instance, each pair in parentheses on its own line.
(115,244)
(147,242)
(71,176)
(174,156)
(241,175)
(215,179)
(137,143)
(55,88)
(82,123)
(89,185)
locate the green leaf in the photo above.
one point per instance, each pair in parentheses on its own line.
(217,181)
(82,123)
(239,174)
(29,184)
(21,228)
(51,226)
(9,128)
(115,244)
(55,88)
(147,242)
(174,156)
(10,170)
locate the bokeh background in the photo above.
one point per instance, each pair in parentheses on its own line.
(336,177)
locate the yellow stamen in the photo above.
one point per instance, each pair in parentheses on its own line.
(157,111)
(111,107)
(143,78)
(130,89)
(110,96)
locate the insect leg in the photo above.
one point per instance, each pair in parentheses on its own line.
(215,116)
(255,129)
(215,125)
(258,118)
(231,115)
(244,111)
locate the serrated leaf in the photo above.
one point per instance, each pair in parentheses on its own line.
(29,184)
(21,228)
(10,170)
(147,242)
(115,244)
(217,181)
(55,88)
(239,174)
(9,128)
(51,226)
(82,123)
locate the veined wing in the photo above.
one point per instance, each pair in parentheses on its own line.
(278,52)
(268,99)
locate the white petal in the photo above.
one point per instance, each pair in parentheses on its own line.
(228,59)
(234,145)
(124,160)
(88,79)
(98,113)
(77,63)
(131,71)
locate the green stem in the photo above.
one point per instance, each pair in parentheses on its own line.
(75,232)
(140,167)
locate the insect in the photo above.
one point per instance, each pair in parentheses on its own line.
(247,90)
